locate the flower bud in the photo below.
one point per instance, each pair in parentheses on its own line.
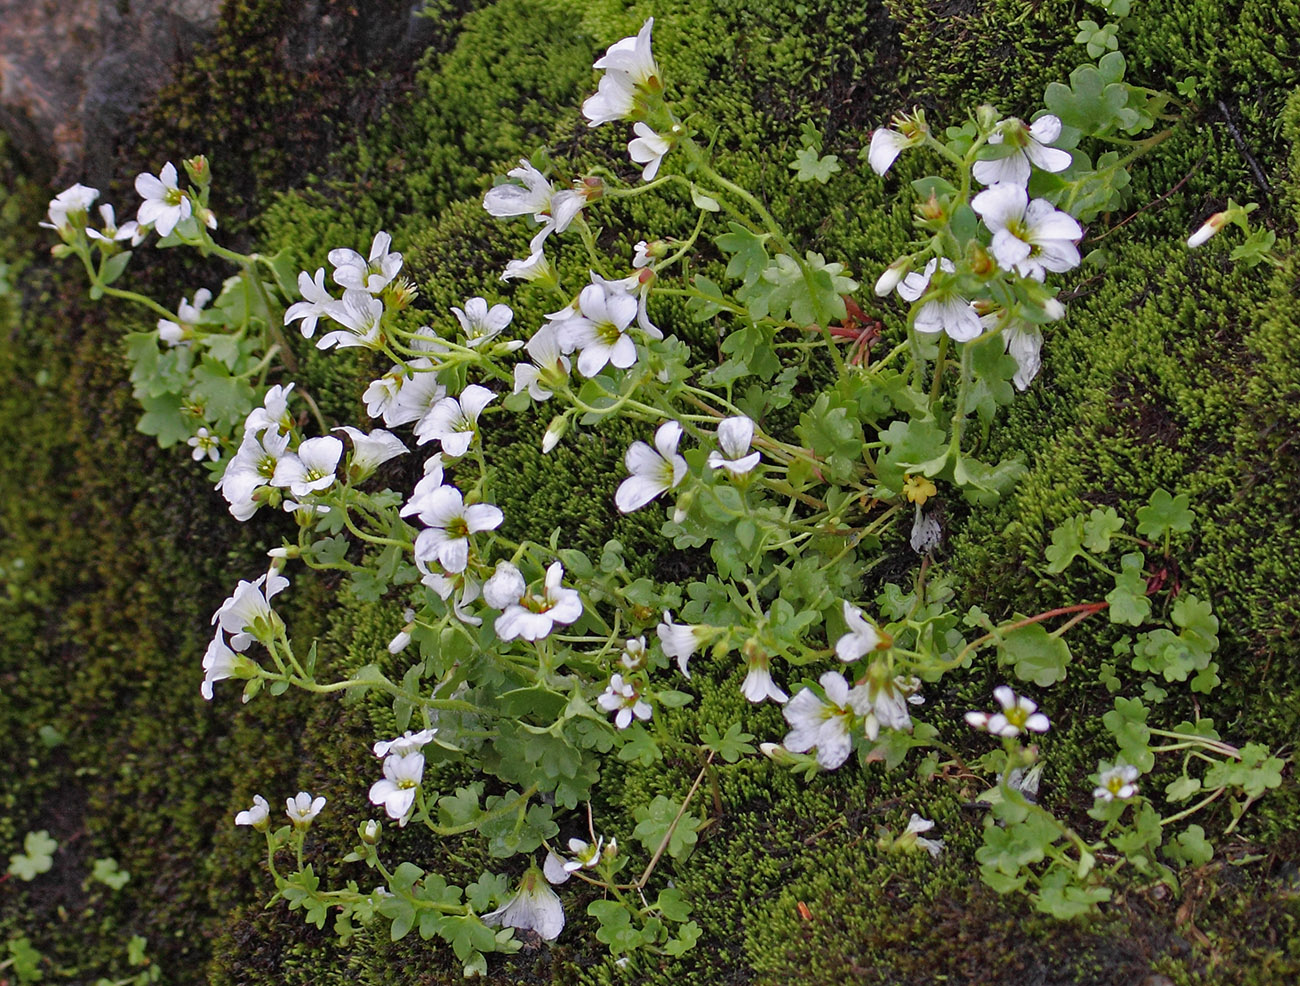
(1208,228)
(683,506)
(198,170)
(370,831)
(987,117)
(981,264)
(591,188)
(776,753)
(931,208)
(60,250)
(1054,310)
(610,851)
(554,432)
(892,275)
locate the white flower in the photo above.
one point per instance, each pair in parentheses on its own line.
(301,809)
(888,698)
(1119,783)
(599,329)
(586,855)
(112,232)
(482,324)
(448,585)
(405,744)
(274,412)
(926,533)
(353,271)
(885,147)
(1207,229)
(892,276)
(758,685)
(681,640)
(449,524)
(252,467)
(532,616)
(506,586)
(164,204)
(548,368)
(311,469)
(861,639)
(534,267)
(1018,715)
(943,311)
(454,421)
(397,790)
(1028,237)
(654,470)
(1024,343)
(69,207)
(734,436)
(630,72)
(554,209)
(174,333)
(534,907)
(369,452)
(623,698)
(648,148)
(360,313)
(205,445)
(915,826)
(317,301)
(221,663)
(247,615)
(403,396)
(256,816)
(1030,147)
(634,653)
(825,725)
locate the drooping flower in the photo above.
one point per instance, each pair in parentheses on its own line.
(1030,238)
(548,367)
(888,697)
(1203,232)
(449,523)
(397,789)
(454,420)
(622,698)
(1118,783)
(317,301)
(301,809)
(311,469)
(1018,715)
(369,452)
(533,907)
(758,685)
(1029,148)
(534,267)
(735,434)
(648,148)
(654,470)
(926,533)
(405,744)
(258,816)
(825,725)
(861,639)
(164,204)
(68,209)
(221,663)
(912,839)
(630,75)
(553,208)
(175,333)
(1024,344)
(371,275)
(681,640)
(480,323)
(247,614)
(532,615)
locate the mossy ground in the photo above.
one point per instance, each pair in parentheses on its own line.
(1174,369)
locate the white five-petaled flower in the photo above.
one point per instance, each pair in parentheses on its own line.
(311,469)
(681,640)
(1118,783)
(531,615)
(112,232)
(369,452)
(548,367)
(943,310)
(274,412)
(164,204)
(252,467)
(598,330)
(454,420)
(634,653)
(630,72)
(534,267)
(69,207)
(205,445)
(825,726)
(648,148)
(1018,715)
(397,790)
(257,816)
(247,615)
(407,743)
(622,698)
(361,314)
(405,395)
(372,275)
(533,907)
(449,523)
(735,434)
(554,208)
(889,697)
(482,324)
(301,809)
(221,663)
(861,639)
(317,301)
(911,836)
(654,470)
(1028,237)
(586,855)
(1030,148)
(758,685)
(174,333)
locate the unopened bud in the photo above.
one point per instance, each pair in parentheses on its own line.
(931,208)
(776,753)
(198,170)
(1054,310)
(987,117)
(60,250)
(981,264)
(1211,226)
(591,188)
(892,275)
(370,831)
(554,432)
(683,506)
